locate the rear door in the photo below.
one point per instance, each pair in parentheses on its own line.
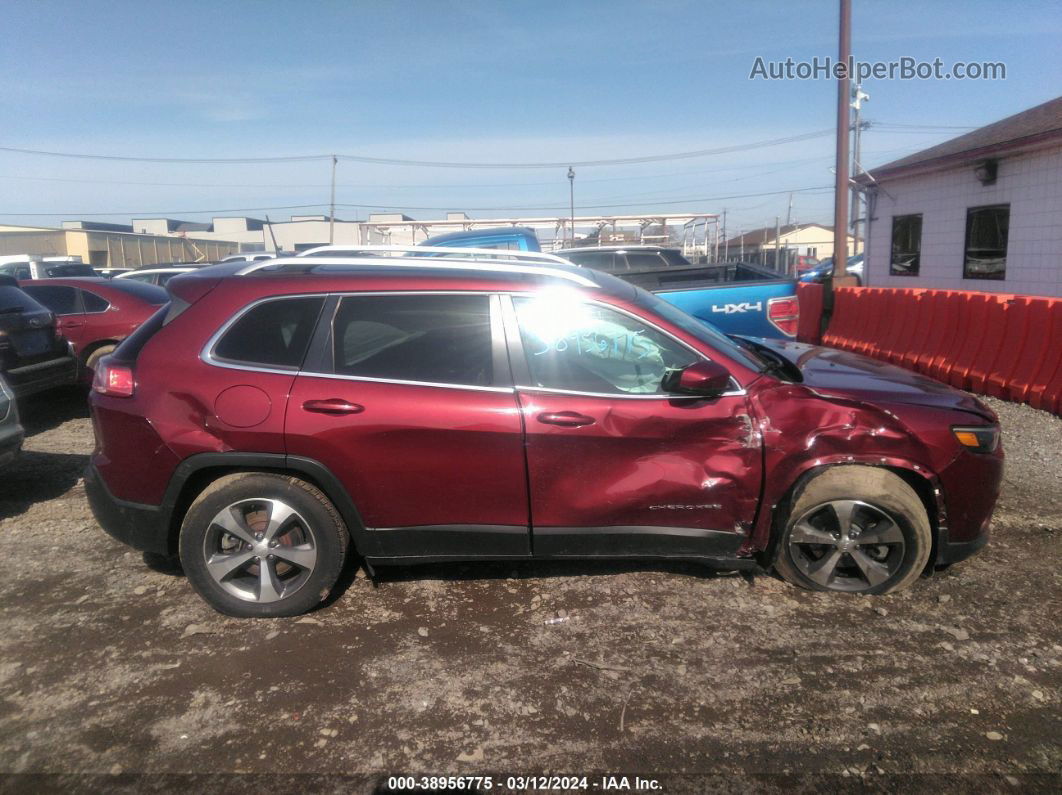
(408,400)
(617,468)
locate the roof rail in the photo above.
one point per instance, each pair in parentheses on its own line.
(465,253)
(305,264)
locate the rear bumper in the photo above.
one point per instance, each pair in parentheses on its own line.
(142,527)
(34,378)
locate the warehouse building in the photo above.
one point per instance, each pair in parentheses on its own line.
(982,211)
(105,245)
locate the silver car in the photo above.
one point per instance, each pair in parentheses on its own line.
(11,433)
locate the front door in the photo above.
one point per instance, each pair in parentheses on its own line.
(616,467)
(411,406)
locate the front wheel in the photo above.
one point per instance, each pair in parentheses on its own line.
(260,545)
(856,529)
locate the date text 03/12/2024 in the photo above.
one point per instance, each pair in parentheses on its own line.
(604,783)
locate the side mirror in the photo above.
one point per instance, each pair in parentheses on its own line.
(708,379)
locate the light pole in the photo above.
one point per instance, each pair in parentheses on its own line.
(571,196)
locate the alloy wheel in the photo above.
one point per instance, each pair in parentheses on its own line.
(847,545)
(260,550)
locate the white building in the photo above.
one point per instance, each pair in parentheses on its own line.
(979,212)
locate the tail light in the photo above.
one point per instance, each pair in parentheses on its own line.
(113,379)
(784,314)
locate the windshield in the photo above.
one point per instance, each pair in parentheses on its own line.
(702,330)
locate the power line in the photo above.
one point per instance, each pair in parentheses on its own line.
(428,186)
(428,163)
(373,205)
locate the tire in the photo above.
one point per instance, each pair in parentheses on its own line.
(886,540)
(246,566)
(96,355)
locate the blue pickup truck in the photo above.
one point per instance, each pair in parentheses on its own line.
(735,297)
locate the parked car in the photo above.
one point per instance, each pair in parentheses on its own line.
(11,433)
(255,257)
(626,259)
(735,297)
(764,305)
(33,355)
(805,261)
(110,273)
(270,419)
(511,238)
(25,266)
(157,275)
(96,314)
(853,267)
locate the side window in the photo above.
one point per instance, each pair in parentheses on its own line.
(442,339)
(987,229)
(61,300)
(93,302)
(598,260)
(274,333)
(906,245)
(645,261)
(583,347)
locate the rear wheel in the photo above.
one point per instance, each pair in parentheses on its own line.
(94,357)
(855,529)
(262,545)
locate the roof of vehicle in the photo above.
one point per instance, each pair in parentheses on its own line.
(635,247)
(181,269)
(411,273)
(499,232)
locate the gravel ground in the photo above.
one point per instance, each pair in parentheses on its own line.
(110,668)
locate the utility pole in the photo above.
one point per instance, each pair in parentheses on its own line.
(332,206)
(571,197)
(841,187)
(726,240)
(789,212)
(858,98)
(777,244)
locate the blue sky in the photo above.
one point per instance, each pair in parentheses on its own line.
(503,81)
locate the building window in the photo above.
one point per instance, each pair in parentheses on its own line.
(906,245)
(986,242)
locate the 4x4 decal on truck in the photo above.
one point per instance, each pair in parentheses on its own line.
(745,306)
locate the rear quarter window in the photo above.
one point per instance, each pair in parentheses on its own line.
(274,333)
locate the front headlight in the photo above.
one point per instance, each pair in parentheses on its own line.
(979,438)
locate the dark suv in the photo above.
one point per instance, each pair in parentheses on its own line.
(33,355)
(274,415)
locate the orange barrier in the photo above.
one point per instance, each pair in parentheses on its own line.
(809,325)
(1001,345)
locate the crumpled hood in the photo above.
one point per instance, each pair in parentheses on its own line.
(828,370)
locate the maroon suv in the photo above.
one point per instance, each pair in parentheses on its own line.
(273,416)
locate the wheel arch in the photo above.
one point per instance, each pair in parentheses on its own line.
(924,483)
(196,472)
(94,346)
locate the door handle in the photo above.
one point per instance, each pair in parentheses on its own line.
(566,419)
(332,406)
